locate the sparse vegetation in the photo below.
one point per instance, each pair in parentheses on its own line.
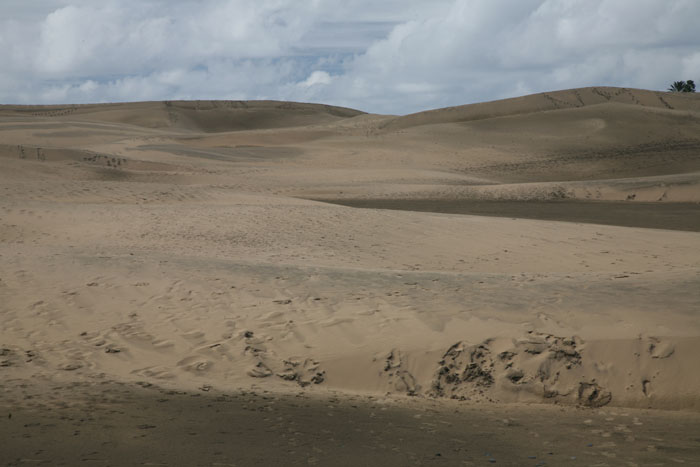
(682,86)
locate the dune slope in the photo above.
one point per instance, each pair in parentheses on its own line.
(200,116)
(183,245)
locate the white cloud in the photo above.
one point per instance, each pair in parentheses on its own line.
(486,49)
(130,37)
(393,56)
(317,77)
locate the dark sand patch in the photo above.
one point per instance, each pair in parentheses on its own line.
(235,154)
(118,424)
(671,216)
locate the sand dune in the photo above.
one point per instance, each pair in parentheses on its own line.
(204,116)
(549,101)
(195,246)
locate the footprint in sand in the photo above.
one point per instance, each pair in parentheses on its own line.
(657,348)
(259,370)
(400,379)
(17,357)
(197,337)
(592,395)
(155,372)
(257,351)
(96,339)
(537,364)
(195,365)
(304,372)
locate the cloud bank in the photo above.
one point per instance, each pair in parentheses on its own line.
(387,57)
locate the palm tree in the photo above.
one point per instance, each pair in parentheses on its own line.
(677,86)
(682,86)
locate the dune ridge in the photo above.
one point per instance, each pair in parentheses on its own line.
(199,116)
(548,101)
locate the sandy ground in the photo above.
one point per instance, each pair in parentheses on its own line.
(181,246)
(115,424)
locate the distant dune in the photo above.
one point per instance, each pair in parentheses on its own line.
(204,116)
(547,101)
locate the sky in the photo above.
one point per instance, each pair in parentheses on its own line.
(380,56)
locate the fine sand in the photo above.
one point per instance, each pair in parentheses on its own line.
(285,283)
